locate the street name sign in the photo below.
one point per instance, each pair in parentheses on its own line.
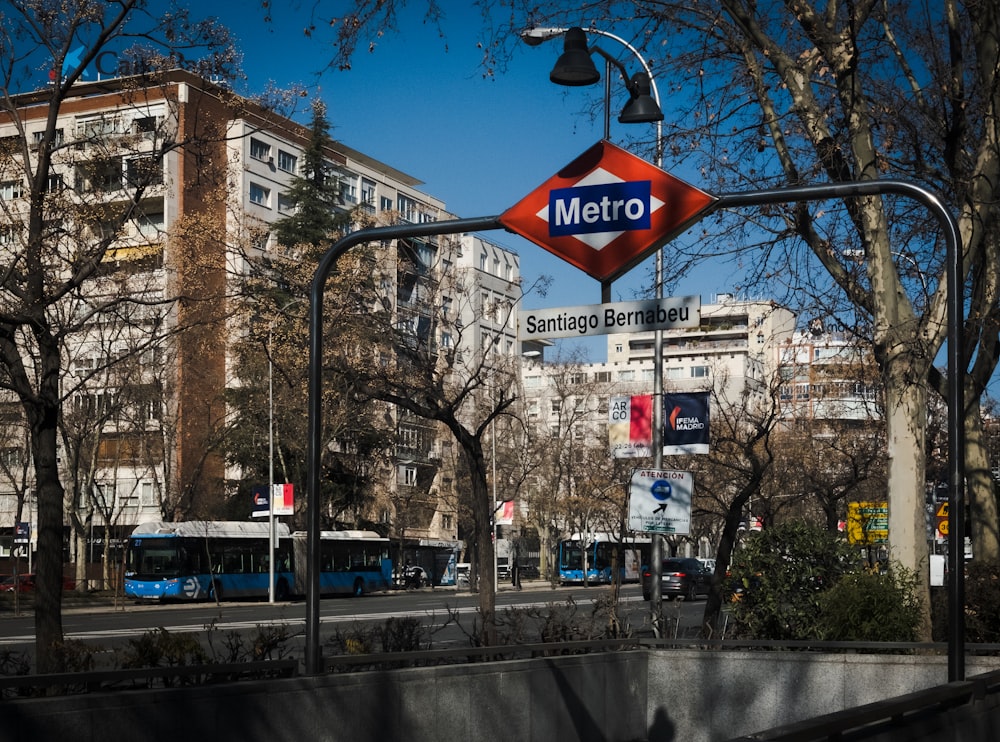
(605,319)
(606,211)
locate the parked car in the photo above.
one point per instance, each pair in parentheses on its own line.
(26,584)
(682,577)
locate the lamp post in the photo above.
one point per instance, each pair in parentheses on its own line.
(272,537)
(576,67)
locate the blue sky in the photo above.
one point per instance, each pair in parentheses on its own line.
(420,103)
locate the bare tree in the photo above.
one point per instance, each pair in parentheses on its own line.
(60,224)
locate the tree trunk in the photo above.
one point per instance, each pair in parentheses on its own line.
(49,563)
(906,408)
(983,517)
(482,516)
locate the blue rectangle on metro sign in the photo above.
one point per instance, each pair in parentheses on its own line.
(607,207)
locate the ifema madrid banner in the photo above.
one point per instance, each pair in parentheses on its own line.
(685,425)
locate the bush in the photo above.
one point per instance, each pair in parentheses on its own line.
(784,570)
(982,603)
(160,648)
(871,607)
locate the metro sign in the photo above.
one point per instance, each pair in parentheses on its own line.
(606,211)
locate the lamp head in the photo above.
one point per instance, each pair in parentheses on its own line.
(535,36)
(641,108)
(575,67)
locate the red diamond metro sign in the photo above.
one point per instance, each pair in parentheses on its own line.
(606,211)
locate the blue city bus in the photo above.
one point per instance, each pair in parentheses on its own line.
(206,560)
(599,549)
(351,562)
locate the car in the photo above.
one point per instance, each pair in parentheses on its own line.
(709,564)
(683,577)
(25,583)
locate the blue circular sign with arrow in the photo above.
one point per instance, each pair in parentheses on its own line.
(661,490)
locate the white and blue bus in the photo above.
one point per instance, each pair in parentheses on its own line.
(202,560)
(599,550)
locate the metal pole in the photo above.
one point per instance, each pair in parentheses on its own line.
(956,410)
(270,468)
(656,547)
(313,649)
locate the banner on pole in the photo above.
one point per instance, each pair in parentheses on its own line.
(685,425)
(280,497)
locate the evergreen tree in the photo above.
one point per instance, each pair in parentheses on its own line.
(314,194)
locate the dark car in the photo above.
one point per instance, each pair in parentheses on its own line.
(681,577)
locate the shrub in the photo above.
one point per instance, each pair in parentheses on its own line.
(784,569)
(982,603)
(160,648)
(872,607)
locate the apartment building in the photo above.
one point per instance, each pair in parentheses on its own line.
(201,174)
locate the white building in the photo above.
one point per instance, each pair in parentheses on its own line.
(203,171)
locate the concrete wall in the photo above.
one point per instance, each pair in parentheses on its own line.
(654,695)
(720,695)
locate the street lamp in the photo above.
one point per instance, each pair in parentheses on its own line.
(576,67)
(272,536)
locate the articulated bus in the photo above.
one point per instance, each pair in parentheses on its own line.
(204,560)
(599,549)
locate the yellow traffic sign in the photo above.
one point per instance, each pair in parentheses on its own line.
(943,510)
(942,526)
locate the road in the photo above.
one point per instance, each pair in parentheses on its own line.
(447,616)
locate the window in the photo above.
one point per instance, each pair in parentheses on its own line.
(259,194)
(699,372)
(149,225)
(57,139)
(626,375)
(578,377)
(348,188)
(446,340)
(602,376)
(103,174)
(11,189)
(147,495)
(144,171)
(287,162)
(368,191)
(408,475)
(259,150)
(556,406)
(55,183)
(674,372)
(407,208)
(483,261)
(385,204)
(532,408)
(144,125)
(285,203)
